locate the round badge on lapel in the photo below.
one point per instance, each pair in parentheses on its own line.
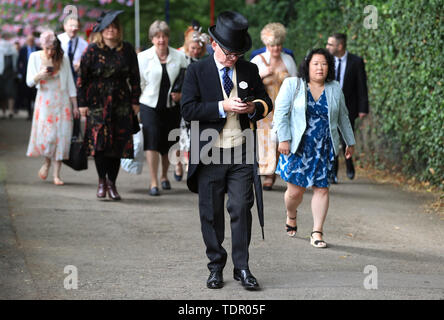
(243,85)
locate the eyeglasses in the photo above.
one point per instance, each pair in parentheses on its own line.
(231,54)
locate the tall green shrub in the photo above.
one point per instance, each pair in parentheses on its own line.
(404,63)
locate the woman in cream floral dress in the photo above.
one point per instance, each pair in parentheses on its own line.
(51,131)
(274,66)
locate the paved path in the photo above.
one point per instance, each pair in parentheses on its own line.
(151,247)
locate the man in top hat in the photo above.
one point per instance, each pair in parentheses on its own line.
(212,96)
(73,46)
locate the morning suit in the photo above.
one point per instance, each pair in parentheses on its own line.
(201,92)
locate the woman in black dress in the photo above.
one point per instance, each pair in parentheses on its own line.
(108,91)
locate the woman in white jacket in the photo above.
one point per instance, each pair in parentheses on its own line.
(159,67)
(55,105)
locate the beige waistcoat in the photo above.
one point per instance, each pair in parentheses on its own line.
(231,135)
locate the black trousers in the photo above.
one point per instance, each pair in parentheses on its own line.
(107,167)
(237,181)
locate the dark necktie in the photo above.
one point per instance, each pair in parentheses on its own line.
(338,74)
(70,53)
(228,84)
(71,59)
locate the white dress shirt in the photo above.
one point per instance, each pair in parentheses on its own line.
(343,66)
(78,44)
(220,68)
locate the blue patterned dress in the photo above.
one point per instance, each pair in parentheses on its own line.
(312,164)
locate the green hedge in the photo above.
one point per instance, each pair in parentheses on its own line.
(404,63)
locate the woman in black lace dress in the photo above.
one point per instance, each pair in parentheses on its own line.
(108,91)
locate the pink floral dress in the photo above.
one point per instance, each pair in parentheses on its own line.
(52,122)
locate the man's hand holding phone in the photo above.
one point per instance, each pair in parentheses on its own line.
(238,105)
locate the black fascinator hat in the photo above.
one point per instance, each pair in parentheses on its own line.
(105,19)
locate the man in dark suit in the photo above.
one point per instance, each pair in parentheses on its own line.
(26,94)
(212,96)
(350,73)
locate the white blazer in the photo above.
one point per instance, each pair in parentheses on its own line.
(286,58)
(66,79)
(151,73)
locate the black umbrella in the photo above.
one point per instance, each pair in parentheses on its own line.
(258,191)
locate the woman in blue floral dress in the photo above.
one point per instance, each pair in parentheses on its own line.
(309,110)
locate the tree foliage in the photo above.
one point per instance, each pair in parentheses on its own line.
(403,55)
(405,76)
(404,64)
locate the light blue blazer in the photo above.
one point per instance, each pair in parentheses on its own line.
(289,120)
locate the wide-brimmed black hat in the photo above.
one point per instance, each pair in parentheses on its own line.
(231,32)
(105,19)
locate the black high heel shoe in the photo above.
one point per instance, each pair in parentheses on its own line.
(290,228)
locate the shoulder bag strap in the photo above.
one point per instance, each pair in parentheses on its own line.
(263,60)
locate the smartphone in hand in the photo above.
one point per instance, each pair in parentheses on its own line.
(49,69)
(248,99)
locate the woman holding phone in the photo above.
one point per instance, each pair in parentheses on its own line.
(50,71)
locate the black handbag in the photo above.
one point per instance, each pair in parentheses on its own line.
(177,85)
(78,158)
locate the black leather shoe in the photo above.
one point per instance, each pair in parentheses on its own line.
(166,185)
(350,169)
(247,280)
(215,280)
(154,191)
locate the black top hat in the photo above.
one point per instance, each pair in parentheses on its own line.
(231,32)
(105,19)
